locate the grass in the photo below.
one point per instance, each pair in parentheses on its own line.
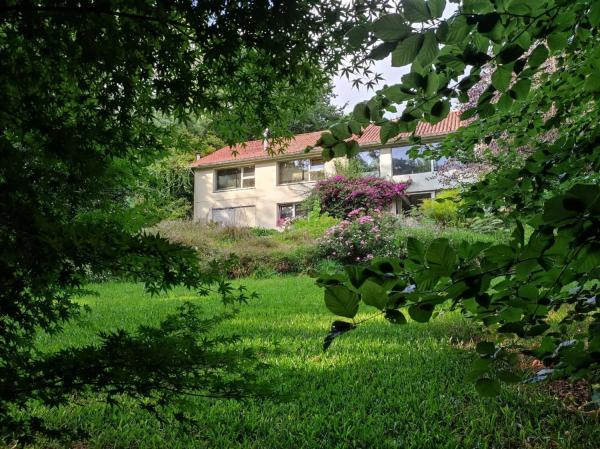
(381,386)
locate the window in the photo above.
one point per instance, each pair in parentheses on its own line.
(301,171)
(241,216)
(235,178)
(402,164)
(368,162)
(406,203)
(288,211)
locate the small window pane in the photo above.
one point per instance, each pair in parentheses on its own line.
(249,171)
(317,169)
(228,178)
(286,211)
(403,165)
(248,182)
(369,162)
(293,171)
(406,203)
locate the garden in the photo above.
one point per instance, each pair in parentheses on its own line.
(471,320)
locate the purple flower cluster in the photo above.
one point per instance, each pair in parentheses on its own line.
(339,196)
(360,237)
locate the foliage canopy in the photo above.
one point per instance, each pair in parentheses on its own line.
(541,102)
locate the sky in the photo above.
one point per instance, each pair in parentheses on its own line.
(346,94)
(349,96)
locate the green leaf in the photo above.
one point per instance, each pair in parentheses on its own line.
(357,35)
(485,348)
(487,387)
(538,56)
(509,377)
(592,82)
(352,149)
(436,8)
(502,77)
(388,131)
(407,50)
(520,89)
(441,258)
(441,109)
(339,149)
(382,51)
(594,14)
(355,127)
(557,41)
(341,301)
(327,139)
(361,113)
(395,316)
(421,313)
(429,49)
(340,131)
(529,292)
(415,250)
(511,315)
(391,27)
(373,294)
(510,53)
(416,10)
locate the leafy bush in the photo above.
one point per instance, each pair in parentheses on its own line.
(359,238)
(339,195)
(315,223)
(443,209)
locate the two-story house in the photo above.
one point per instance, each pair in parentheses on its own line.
(245,186)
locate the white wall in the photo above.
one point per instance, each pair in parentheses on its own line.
(266,195)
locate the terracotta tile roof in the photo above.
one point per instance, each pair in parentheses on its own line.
(253,149)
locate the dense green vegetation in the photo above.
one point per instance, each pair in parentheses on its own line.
(527,73)
(358,395)
(301,247)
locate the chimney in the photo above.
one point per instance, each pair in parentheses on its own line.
(198,156)
(266,139)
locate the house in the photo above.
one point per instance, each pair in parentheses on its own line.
(245,186)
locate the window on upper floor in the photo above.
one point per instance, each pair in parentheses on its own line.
(402,164)
(369,162)
(235,178)
(301,171)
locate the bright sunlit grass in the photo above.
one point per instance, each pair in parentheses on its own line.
(381,386)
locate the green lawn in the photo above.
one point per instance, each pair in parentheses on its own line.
(381,386)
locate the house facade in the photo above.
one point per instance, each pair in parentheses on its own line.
(245,186)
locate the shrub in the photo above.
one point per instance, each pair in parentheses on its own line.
(339,195)
(443,209)
(359,238)
(315,223)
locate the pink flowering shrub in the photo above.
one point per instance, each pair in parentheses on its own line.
(359,238)
(340,195)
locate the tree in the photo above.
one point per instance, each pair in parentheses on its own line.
(511,288)
(321,115)
(81,85)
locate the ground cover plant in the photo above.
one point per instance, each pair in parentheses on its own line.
(357,395)
(307,242)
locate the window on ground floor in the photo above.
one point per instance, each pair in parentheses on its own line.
(242,216)
(406,203)
(235,178)
(288,211)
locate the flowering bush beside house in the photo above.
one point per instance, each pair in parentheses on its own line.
(340,195)
(362,236)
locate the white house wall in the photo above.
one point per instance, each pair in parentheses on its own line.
(267,194)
